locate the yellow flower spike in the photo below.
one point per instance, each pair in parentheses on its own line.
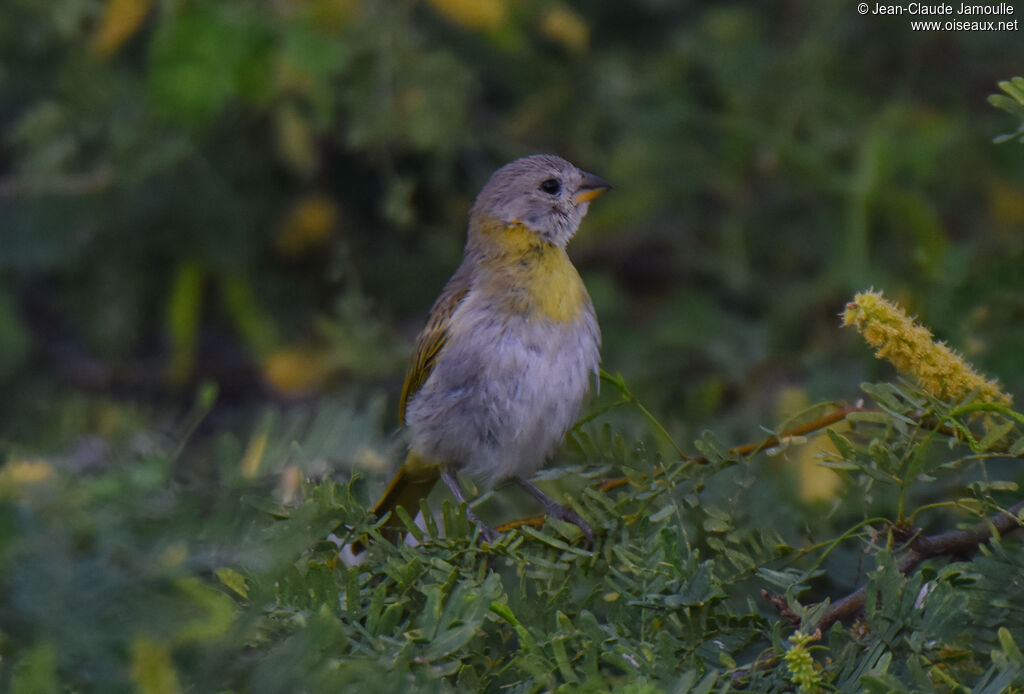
(482,15)
(911,348)
(802,670)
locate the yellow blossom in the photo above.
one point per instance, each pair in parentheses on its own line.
(912,350)
(16,475)
(27,471)
(296,372)
(564,26)
(120,21)
(307,226)
(802,670)
(483,15)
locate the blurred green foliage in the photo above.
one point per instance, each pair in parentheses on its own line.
(1013,103)
(267,196)
(135,576)
(190,189)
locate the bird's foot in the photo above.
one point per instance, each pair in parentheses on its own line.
(488,533)
(553,508)
(566,514)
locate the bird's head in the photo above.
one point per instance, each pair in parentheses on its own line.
(543,193)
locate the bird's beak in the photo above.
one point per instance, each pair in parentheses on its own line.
(591,187)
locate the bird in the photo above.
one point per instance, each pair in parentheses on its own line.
(499,373)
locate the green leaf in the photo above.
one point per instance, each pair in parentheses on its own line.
(870,417)
(1000,139)
(562,659)
(233,580)
(218,612)
(36,672)
(376,609)
(711,448)
(685,682)
(153,668)
(1016,448)
(464,613)
(1014,108)
(410,523)
(248,316)
(993,435)
(1014,87)
(14,338)
(882,684)
(204,56)
(878,475)
(885,395)
(1009,647)
(992,683)
(845,447)
(780,579)
(702,587)
(1012,104)
(982,487)
(526,639)
(661,514)
(709,681)
(714,525)
(183,312)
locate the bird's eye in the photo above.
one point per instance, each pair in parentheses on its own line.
(551,186)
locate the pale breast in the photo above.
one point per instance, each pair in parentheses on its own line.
(505,389)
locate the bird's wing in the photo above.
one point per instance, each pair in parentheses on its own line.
(433,337)
(417,476)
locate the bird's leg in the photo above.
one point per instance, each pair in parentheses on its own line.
(553,508)
(486,531)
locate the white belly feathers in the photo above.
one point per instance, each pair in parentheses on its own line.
(503,393)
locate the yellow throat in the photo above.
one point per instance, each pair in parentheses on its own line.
(529,275)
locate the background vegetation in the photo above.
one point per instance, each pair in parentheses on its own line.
(221,224)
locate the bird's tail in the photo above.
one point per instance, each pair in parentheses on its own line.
(412,482)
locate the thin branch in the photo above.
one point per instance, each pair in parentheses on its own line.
(829,419)
(535,522)
(952,543)
(781,606)
(820,423)
(619,384)
(837,415)
(88,183)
